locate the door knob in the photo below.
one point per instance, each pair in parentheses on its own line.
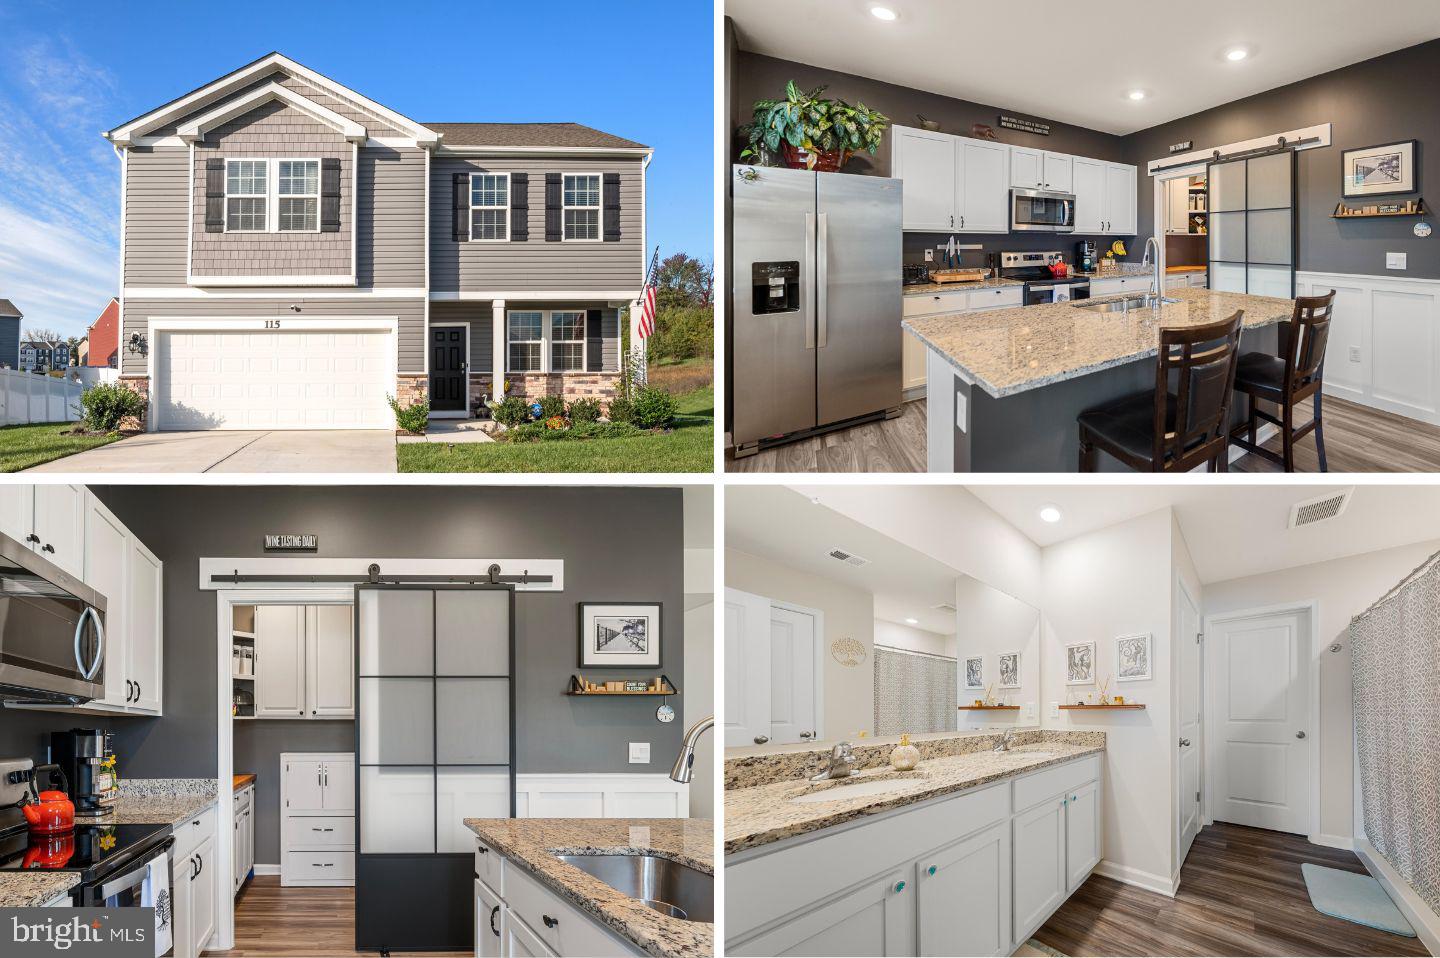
(761,739)
(1184,743)
(807,734)
(1299,734)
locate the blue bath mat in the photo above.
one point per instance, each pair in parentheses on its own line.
(1353,897)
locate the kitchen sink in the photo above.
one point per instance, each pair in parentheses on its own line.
(1123,304)
(668,887)
(853,791)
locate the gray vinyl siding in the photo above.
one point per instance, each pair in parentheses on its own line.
(374,126)
(535,264)
(156,206)
(391,210)
(10,341)
(410,314)
(479,315)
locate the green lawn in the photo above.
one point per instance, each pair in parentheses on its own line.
(689,448)
(24,446)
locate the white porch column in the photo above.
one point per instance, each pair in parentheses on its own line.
(637,345)
(497,349)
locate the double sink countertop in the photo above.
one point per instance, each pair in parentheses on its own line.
(761,790)
(534,843)
(1010,351)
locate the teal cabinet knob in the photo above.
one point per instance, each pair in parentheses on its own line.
(899,886)
(933,869)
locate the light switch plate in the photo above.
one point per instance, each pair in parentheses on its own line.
(1028,712)
(1395,260)
(1354,354)
(1054,709)
(639,753)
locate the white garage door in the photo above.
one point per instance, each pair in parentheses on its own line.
(274,380)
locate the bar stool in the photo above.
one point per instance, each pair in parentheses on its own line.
(1165,431)
(1287,381)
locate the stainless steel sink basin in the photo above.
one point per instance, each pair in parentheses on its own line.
(1124,303)
(668,887)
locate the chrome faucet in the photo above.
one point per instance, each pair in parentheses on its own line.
(686,758)
(842,763)
(1156,287)
(1004,745)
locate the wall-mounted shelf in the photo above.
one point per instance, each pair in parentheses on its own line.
(989,708)
(243,635)
(1342,212)
(667,687)
(1127,705)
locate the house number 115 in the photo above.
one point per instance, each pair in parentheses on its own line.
(272,324)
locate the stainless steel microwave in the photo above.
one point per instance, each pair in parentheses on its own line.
(1042,211)
(52,631)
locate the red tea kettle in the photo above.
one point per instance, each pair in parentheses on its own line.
(49,812)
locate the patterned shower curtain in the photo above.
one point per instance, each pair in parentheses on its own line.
(1395,653)
(914,692)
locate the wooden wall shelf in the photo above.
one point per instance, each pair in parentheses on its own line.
(667,687)
(1342,212)
(989,708)
(1127,705)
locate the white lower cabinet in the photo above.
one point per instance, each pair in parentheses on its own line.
(243,856)
(195,885)
(971,874)
(317,818)
(951,301)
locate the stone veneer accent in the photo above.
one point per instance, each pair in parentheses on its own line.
(412,389)
(601,386)
(140,385)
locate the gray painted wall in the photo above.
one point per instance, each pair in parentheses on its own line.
(479,315)
(1390,98)
(258,746)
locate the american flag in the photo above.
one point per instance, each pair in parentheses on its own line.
(647,298)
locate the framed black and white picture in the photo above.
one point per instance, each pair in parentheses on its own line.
(1080,664)
(1132,658)
(619,635)
(1379,170)
(975,673)
(1009,670)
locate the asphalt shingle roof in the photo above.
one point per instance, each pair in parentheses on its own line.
(8,308)
(528,134)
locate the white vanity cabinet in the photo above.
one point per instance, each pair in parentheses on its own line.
(969,874)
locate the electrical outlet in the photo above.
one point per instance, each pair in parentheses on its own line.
(929,256)
(1054,709)
(639,753)
(1028,712)
(1395,260)
(1354,354)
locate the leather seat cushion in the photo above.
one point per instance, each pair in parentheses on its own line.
(1128,423)
(1261,373)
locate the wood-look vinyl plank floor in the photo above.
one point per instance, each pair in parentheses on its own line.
(888,445)
(1241,894)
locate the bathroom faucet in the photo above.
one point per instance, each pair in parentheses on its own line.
(1155,285)
(686,758)
(1004,745)
(842,763)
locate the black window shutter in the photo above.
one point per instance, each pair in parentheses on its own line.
(554,196)
(594,341)
(611,199)
(215,196)
(330,194)
(462,207)
(519,207)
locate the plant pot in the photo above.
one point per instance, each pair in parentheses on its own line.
(822,161)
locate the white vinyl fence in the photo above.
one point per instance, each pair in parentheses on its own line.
(26,398)
(91,375)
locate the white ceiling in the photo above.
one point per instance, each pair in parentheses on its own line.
(1231,530)
(780,524)
(1059,61)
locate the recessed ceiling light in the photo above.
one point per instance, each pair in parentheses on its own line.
(1137,94)
(1050,513)
(1236,54)
(883,13)
(912,621)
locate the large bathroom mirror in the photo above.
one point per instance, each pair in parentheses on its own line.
(835,631)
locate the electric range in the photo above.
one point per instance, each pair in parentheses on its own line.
(1042,286)
(95,852)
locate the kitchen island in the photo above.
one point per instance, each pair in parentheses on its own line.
(1018,378)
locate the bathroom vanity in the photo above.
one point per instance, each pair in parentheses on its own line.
(967,855)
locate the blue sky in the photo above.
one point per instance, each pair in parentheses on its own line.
(68,70)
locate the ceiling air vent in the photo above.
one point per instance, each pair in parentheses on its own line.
(945,607)
(849,558)
(1325,507)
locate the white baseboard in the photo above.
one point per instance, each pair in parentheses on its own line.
(1425,922)
(1335,841)
(266,869)
(1140,879)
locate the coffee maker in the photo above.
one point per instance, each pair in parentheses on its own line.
(82,755)
(1085,257)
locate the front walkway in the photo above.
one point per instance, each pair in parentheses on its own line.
(291,450)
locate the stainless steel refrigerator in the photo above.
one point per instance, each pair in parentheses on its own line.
(816,303)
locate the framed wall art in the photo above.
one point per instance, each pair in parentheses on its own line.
(1080,664)
(619,635)
(1132,658)
(1379,170)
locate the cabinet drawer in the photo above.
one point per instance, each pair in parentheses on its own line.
(323,866)
(1047,783)
(998,298)
(194,830)
(490,867)
(320,832)
(568,930)
(927,304)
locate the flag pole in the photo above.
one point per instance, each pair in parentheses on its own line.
(638,360)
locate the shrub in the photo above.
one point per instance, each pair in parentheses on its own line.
(682,332)
(511,411)
(652,408)
(585,410)
(620,409)
(537,432)
(551,406)
(104,405)
(412,418)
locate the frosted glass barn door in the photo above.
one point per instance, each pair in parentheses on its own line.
(1251,206)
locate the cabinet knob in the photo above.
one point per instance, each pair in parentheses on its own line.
(47,547)
(932,869)
(899,886)
(549,922)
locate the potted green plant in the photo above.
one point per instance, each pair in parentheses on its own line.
(810,132)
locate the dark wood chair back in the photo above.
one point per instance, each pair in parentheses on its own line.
(1309,334)
(1192,423)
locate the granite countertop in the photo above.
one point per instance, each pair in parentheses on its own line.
(533,843)
(34,888)
(989,282)
(1009,351)
(762,814)
(242,780)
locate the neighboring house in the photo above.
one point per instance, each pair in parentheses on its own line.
(292,252)
(59,356)
(103,338)
(36,354)
(10,317)
(82,352)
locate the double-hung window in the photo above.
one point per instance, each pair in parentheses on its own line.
(298,201)
(247,196)
(272,196)
(489,207)
(581,207)
(546,341)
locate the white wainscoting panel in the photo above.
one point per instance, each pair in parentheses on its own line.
(1384,348)
(647,795)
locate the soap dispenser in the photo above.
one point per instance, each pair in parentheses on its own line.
(904,756)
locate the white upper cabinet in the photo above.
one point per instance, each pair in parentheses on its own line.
(329,662)
(1088,180)
(925,163)
(304,662)
(143,630)
(105,552)
(1120,185)
(49,520)
(1058,172)
(985,201)
(1027,168)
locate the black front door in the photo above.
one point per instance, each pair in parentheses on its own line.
(447,369)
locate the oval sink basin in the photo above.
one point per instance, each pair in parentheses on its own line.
(855,791)
(1026,753)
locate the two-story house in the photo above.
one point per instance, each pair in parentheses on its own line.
(43,355)
(10,317)
(102,339)
(292,252)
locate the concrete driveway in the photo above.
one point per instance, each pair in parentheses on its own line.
(290,450)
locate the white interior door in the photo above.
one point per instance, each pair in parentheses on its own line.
(1262,761)
(747,669)
(1191,723)
(792,677)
